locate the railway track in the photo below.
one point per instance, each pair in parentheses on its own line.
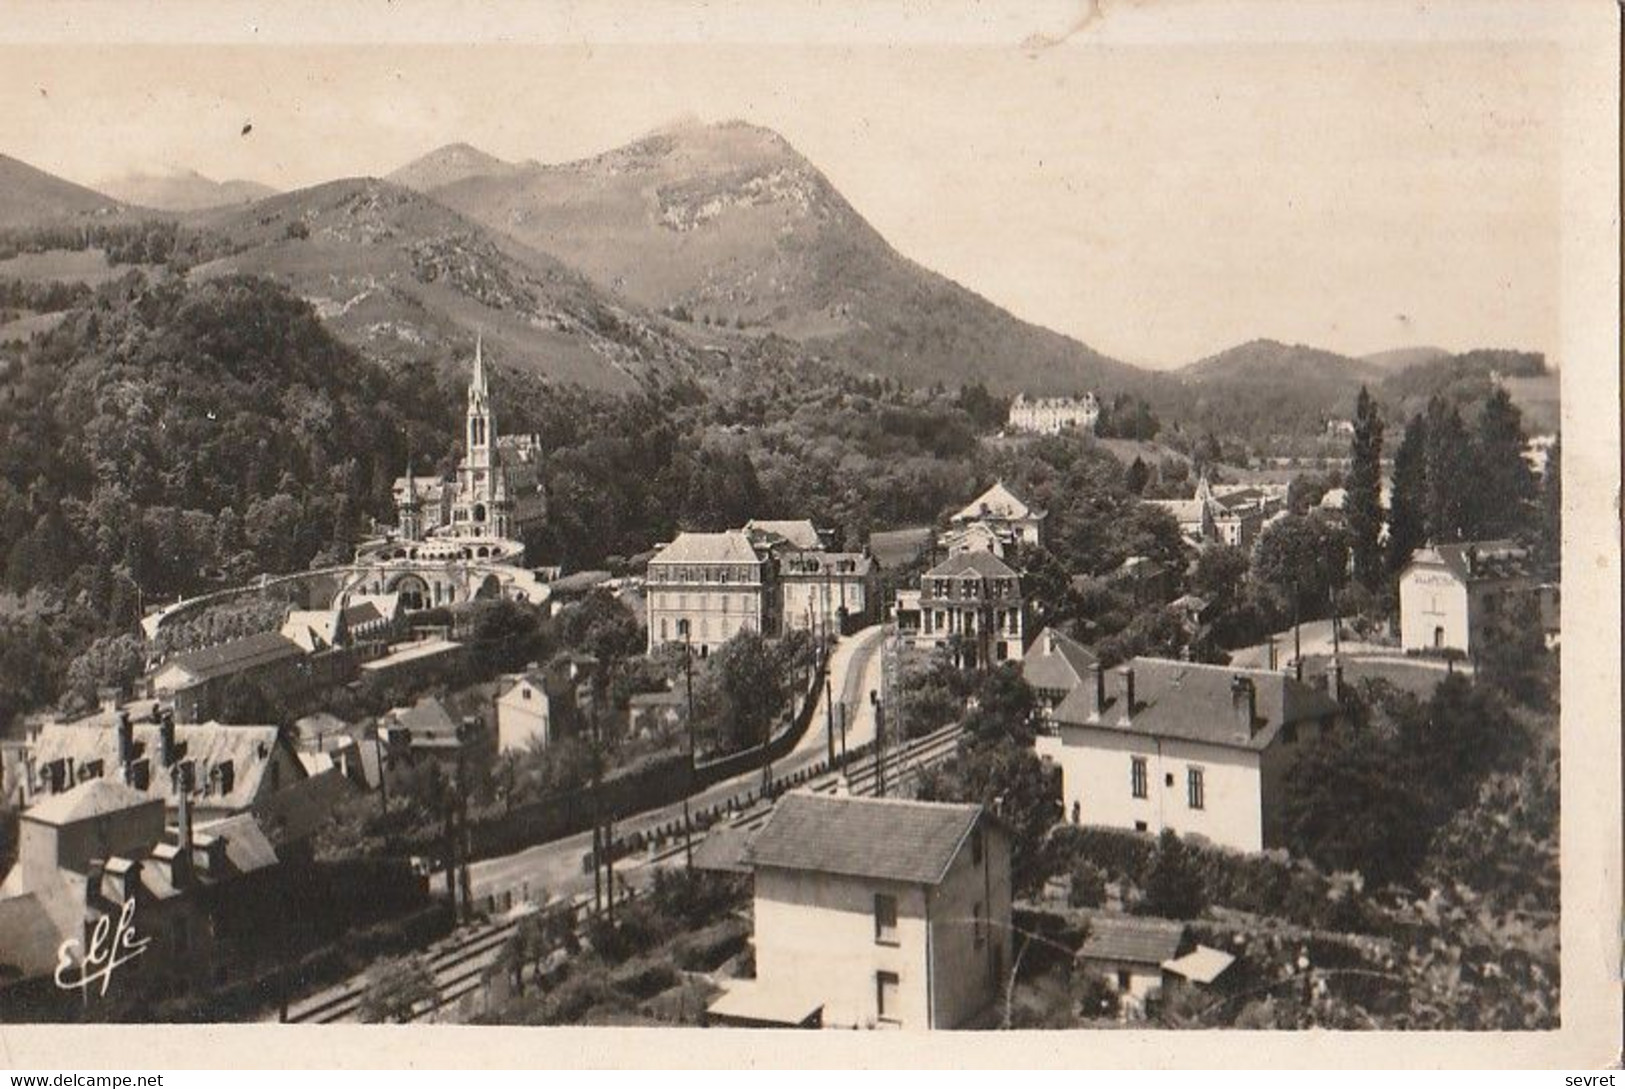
(459,962)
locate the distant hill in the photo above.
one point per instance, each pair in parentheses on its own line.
(1398,359)
(448,165)
(728,224)
(1469,377)
(1267,362)
(29,196)
(404,278)
(184,191)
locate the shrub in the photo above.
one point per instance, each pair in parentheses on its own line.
(1088,884)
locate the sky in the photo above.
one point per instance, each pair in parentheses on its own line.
(1155,179)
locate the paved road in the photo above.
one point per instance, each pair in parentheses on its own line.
(554,869)
(1316,639)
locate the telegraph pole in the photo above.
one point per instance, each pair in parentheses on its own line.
(688,684)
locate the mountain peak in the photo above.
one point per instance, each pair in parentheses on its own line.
(447,165)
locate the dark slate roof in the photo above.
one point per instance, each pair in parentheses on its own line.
(1192,701)
(1131,938)
(428,716)
(236,655)
(724,849)
(1060,669)
(887,838)
(978,563)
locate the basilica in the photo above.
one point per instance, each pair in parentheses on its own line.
(456,538)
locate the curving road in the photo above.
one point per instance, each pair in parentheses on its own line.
(554,868)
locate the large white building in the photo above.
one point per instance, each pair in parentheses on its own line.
(1450,594)
(1199,749)
(704,588)
(1052,415)
(875,913)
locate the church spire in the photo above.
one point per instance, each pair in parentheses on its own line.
(477,388)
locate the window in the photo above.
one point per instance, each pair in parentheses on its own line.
(885,919)
(1122,979)
(1140,826)
(524,692)
(981,925)
(1137,777)
(1193,788)
(886,1003)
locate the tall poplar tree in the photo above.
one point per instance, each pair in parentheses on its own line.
(1408,501)
(1503,485)
(1450,480)
(1364,490)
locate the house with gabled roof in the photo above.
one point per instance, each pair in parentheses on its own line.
(230,769)
(1054,665)
(1201,750)
(972,604)
(195,683)
(1003,510)
(874,913)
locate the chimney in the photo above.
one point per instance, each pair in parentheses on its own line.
(183,808)
(1096,679)
(93,881)
(107,697)
(126,742)
(1049,642)
(1244,703)
(1128,691)
(166,736)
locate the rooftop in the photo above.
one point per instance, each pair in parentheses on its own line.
(890,839)
(729,546)
(93,798)
(248,750)
(799,532)
(235,655)
(895,547)
(997,502)
(1056,661)
(1136,939)
(1193,702)
(976,564)
(1473,561)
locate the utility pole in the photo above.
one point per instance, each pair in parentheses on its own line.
(880,742)
(829,716)
(688,685)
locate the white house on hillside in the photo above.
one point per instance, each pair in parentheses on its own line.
(1450,594)
(1002,510)
(1198,749)
(876,913)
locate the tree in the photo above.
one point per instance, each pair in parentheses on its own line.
(1304,558)
(1345,808)
(1005,706)
(1408,503)
(1503,491)
(1173,885)
(741,691)
(1137,476)
(396,988)
(1221,571)
(601,625)
(1363,506)
(1549,539)
(1450,483)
